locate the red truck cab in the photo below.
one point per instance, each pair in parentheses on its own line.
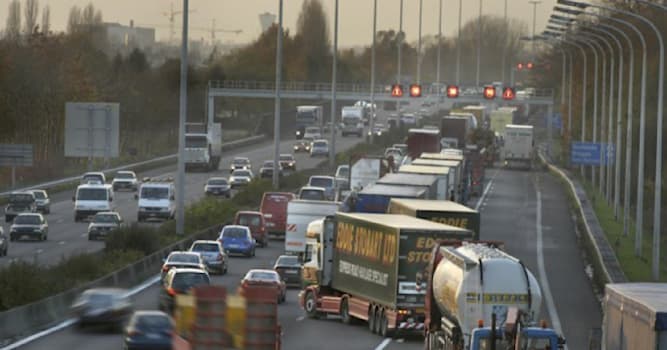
(254,220)
(274,209)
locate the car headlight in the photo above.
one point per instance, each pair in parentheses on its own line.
(298,133)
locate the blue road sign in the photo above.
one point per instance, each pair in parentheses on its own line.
(585,153)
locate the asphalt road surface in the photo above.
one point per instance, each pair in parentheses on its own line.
(67,237)
(509,213)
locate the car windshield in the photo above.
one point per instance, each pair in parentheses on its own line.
(100,299)
(241,173)
(311,194)
(312,130)
(205,247)
(321,182)
(288,261)
(268,164)
(183,258)
(92,194)
(287,157)
(241,161)
(154,192)
(185,280)
(20,198)
(249,220)
(320,144)
(217,182)
(234,232)
(196,142)
(124,176)
(263,276)
(87,178)
(39,194)
(153,323)
(106,218)
(27,220)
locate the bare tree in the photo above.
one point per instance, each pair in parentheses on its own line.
(13,28)
(31,12)
(46,19)
(74,20)
(88,15)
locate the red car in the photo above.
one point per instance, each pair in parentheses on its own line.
(254,220)
(264,278)
(274,208)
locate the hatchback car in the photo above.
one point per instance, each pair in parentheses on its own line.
(102,306)
(319,148)
(237,239)
(240,163)
(289,269)
(313,193)
(254,220)
(267,169)
(180,281)
(125,180)
(266,278)
(42,201)
(4,242)
(288,162)
(179,259)
(29,225)
(303,145)
(213,255)
(149,330)
(218,186)
(240,178)
(326,182)
(103,223)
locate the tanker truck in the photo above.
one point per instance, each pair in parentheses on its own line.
(470,285)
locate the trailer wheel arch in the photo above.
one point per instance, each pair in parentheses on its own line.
(345,310)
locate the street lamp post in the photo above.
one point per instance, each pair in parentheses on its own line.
(437,71)
(372,116)
(479,44)
(504,58)
(276,111)
(180,195)
(332,149)
(458,46)
(419,46)
(534,3)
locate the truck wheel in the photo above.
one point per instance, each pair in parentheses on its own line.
(379,315)
(384,327)
(371,319)
(345,312)
(311,305)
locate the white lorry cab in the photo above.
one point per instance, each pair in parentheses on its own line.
(156,200)
(352,118)
(91,199)
(300,213)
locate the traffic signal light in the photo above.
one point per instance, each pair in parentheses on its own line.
(508,93)
(489,92)
(519,66)
(396,90)
(530,65)
(415,90)
(452,91)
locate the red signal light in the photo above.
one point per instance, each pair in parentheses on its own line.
(489,92)
(530,65)
(508,93)
(415,90)
(396,90)
(452,91)
(519,66)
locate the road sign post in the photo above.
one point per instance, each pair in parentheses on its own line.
(15,155)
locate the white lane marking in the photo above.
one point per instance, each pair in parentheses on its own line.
(61,242)
(384,344)
(486,190)
(39,251)
(84,234)
(71,321)
(300,318)
(544,281)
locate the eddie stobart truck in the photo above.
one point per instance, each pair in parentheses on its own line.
(367,267)
(444,212)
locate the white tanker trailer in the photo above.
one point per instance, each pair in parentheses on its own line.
(471,285)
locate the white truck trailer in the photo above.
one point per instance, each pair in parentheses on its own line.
(518,146)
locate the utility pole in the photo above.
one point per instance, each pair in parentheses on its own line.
(276,118)
(479,43)
(504,59)
(419,46)
(534,3)
(458,46)
(332,149)
(180,191)
(372,116)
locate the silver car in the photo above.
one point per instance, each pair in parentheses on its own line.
(319,148)
(213,255)
(218,186)
(125,180)
(240,177)
(42,201)
(103,223)
(29,225)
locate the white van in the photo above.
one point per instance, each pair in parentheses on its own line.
(91,199)
(300,213)
(156,201)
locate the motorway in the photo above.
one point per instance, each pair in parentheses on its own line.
(509,213)
(67,237)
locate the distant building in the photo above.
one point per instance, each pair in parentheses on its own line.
(266,20)
(122,36)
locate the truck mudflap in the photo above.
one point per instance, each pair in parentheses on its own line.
(410,327)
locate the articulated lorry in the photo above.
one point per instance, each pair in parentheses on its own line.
(352,118)
(369,267)
(442,173)
(635,317)
(455,130)
(455,171)
(430,182)
(203,146)
(300,213)
(375,198)
(422,140)
(473,285)
(444,212)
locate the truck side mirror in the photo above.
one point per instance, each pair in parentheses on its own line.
(73,199)
(136,196)
(172,197)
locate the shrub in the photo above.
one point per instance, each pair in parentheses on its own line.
(252,194)
(209,212)
(136,237)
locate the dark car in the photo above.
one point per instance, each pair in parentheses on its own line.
(267,169)
(289,269)
(180,259)
(218,186)
(149,330)
(102,306)
(287,161)
(264,278)
(20,202)
(303,145)
(180,281)
(4,243)
(29,225)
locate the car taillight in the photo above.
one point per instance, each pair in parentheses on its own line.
(134,332)
(171,291)
(165,268)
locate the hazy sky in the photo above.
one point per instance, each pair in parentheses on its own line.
(355,27)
